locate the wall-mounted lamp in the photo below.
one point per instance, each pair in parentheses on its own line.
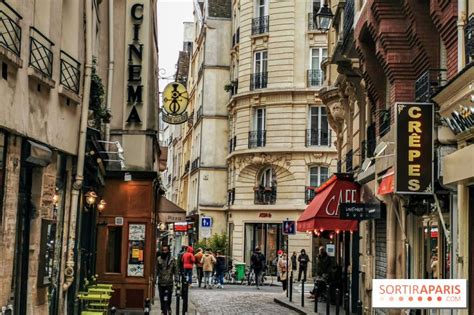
(101,206)
(91,197)
(324,18)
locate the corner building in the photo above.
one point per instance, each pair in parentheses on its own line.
(280,145)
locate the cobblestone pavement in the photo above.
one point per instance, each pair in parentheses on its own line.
(236,299)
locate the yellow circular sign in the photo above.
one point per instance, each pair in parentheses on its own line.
(175,99)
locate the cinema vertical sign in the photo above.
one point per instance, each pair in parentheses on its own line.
(135,62)
(414,148)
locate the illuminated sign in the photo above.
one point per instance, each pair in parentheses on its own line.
(419,293)
(175,102)
(414,148)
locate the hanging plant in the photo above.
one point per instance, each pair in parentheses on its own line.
(97,97)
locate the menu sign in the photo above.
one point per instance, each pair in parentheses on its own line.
(414,148)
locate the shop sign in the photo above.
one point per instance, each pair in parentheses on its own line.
(359,211)
(181,226)
(419,293)
(175,102)
(414,148)
(264,215)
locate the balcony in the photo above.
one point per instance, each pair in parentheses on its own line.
(10,30)
(258,80)
(315,77)
(257,138)
(265,195)
(236,37)
(318,137)
(429,83)
(195,164)
(469,38)
(260,25)
(70,73)
(41,54)
(310,192)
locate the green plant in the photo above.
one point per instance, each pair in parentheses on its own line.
(217,242)
(229,87)
(97,97)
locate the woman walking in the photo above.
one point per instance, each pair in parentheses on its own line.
(282,265)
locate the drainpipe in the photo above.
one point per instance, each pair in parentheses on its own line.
(462,17)
(110,77)
(77,185)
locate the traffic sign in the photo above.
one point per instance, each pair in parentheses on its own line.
(289,227)
(206,222)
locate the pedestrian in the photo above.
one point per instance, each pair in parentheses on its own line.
(293,262)
(257,265)
(207,262)
(167,274)
(180,259)
(188,264)
(323,272)
(303,260)
(197,261)
(275,263)
(282,263)
(220,269)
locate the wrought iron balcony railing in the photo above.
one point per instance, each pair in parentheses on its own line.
(312,25)
(41,54)
(265,195)
(429,83)
(320,137)
(257,138)
(260,25)
(469,38)
(10,30)
(315,77)
(348,23)
(258,80)
(195,164)
(310,192)
(70,72)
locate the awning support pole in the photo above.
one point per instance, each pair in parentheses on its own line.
(443,223)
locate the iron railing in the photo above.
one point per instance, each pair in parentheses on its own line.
(429,83)
(310,193)
(348,23)
(70,72)
(321,137)
(349,156)
(469,38)
(265,195)
(312,25)
(41,54)
(258,80)
(257,138)
(315,77)
(195,164)
(260,25)
(10,30)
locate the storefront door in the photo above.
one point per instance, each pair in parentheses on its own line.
(267,236)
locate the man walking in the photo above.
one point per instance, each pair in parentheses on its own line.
(197,261)
(257,265)
(303,259)
(167,274)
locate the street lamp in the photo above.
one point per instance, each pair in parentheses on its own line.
(324,18)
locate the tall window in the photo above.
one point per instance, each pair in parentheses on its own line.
(257,137)
(318,130)
(317,175)
(114,249)
(261,9)
(265,191)
(266,178)
(316,6)
(258,79)
(259,122)
(315,74)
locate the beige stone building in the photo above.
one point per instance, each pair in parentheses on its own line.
(280,143)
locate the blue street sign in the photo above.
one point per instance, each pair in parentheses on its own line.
(289,227)
(206,222)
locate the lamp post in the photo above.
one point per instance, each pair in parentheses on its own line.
(324,18)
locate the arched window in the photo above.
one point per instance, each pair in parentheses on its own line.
(265,190)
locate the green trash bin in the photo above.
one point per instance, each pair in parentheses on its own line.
(240,271)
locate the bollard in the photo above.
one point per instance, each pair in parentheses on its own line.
(315,297)
(290,289)
(147,307)
(185,291)
(359,307)
(346,303)
(177,297)
(328,302)
(113,310)
(302,293)
(337,300)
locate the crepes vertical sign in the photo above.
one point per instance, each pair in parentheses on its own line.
(414,148)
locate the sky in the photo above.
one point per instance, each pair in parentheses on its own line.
(171,15)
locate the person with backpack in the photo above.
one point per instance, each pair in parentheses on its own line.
(257,265)
(220,269)
(303,260)
(197,261)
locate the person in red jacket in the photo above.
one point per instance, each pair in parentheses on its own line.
(188,263)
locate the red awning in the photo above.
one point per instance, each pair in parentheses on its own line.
(323,211)
(386,185)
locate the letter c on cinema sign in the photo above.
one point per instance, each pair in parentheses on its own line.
(414,112)
(134,12)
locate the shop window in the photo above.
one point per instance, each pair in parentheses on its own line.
(114,249)
(46,257)
(3,155)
